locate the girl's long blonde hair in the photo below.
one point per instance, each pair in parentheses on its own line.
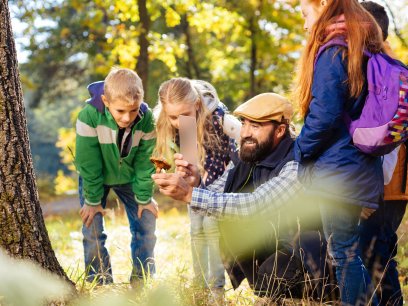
(182,90)
(362,32)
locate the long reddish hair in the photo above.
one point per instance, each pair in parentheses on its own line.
(361,32)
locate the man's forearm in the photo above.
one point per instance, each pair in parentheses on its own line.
(271,195)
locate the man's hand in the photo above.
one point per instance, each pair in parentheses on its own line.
(366,212)
(187,171)
(152,207)
(88,213)
(173,185)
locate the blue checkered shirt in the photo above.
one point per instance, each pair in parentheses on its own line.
(271,195)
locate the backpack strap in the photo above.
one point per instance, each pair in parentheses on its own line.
(337,41)
(404,173)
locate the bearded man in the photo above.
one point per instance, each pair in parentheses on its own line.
(255,201)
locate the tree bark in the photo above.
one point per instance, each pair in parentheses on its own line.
(191,61)
(253,65)
(142,66)
(22,229)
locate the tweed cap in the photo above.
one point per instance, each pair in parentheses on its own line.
(266,107)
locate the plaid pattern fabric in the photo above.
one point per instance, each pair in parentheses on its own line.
(269,196)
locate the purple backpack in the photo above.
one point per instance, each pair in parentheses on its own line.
(383,123)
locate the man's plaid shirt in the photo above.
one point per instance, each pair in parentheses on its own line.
(269,196)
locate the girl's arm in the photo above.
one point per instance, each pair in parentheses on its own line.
(329,95)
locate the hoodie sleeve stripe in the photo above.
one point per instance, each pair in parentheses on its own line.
(85,130)
(148,136)
(144,136)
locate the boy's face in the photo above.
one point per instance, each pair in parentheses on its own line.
(123,113)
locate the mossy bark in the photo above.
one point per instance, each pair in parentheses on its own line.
(22,229)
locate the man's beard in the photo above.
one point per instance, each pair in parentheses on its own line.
(259,152)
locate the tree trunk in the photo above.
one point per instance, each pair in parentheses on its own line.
(191,61)
(253,65)
(22,229)
(142,66)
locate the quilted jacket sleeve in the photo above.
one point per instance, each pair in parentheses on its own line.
(329,95)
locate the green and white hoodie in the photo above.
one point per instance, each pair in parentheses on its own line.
(99,161)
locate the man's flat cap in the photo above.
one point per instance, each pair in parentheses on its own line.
(266,107)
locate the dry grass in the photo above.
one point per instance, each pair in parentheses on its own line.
(172,253)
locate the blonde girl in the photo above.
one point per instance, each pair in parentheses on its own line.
(216,131)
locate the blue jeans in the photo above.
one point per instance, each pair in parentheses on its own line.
(207,264)
(97,260)
(340,226)
(379,247)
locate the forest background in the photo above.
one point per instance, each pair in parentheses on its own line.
(242,47)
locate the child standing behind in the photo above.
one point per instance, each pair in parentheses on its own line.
(181,96)
(115,138)
(378,236)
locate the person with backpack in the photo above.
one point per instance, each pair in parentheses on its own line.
(216,133)
(331,87)
(378,235)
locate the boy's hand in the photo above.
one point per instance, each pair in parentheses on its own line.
(187,171)
(173,185)
(88,213)
(152,207)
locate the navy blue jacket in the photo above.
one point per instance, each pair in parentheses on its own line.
(330,165)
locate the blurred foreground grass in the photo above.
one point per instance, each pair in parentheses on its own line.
(172,284)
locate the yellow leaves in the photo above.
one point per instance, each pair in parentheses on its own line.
(64,183)
(101,64)
(397,47)
(126,52)
(65,32)
(126,10)
(221,64)
(66,142)
(216,20)
(165,49)
(172,18)
(77,5)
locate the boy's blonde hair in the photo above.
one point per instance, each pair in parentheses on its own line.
(182,90)
(123,84)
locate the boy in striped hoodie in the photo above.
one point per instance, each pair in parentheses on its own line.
(115,136)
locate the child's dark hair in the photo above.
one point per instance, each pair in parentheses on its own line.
(379,14)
